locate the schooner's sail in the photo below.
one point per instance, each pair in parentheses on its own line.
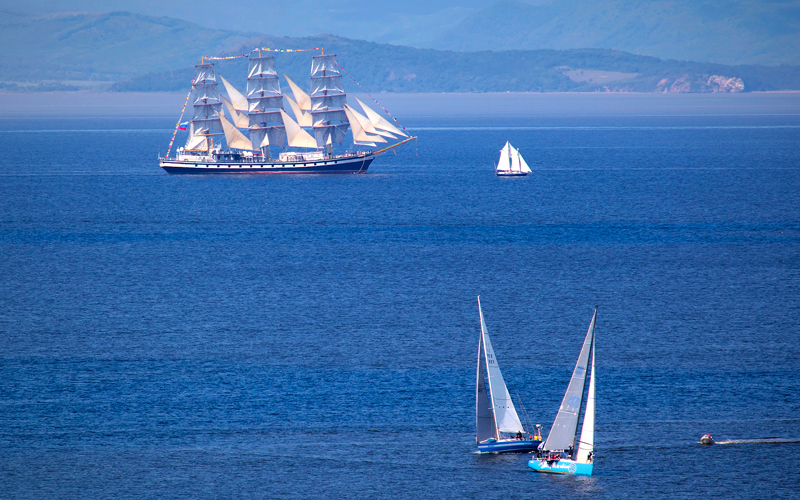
(497,423)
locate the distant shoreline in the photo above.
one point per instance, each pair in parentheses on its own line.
(169,104)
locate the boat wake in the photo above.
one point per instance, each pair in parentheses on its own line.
(765,440)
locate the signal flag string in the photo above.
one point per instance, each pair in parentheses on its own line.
(263,49)
(370,96)
(178,125)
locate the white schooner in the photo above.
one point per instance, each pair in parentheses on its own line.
(305,143)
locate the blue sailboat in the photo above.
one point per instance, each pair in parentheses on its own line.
(558,454)
(497,425)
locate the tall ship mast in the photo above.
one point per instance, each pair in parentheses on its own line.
(258,135)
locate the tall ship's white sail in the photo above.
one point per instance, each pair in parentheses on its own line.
(328,99)
(265,104)
(206,108)
(257,124)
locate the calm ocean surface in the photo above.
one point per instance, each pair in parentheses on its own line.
(315,336)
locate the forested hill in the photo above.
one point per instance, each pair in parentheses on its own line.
(126,52)
(387,68)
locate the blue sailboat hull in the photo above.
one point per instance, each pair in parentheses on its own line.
(509,446)
(568,467)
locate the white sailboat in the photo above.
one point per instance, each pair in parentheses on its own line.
(558,454)
(497,425)
(511,163)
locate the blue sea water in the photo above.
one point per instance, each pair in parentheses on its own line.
(315,336)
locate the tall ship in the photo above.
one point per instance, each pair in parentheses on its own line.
(257,135)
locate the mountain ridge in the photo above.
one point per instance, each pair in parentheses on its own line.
(720,31)
(143,53)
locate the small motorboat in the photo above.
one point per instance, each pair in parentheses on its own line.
(706,439)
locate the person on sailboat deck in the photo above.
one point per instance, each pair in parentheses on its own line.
(519,436)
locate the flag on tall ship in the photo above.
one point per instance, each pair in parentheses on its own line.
(183,126)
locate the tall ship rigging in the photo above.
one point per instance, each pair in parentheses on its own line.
(257,135)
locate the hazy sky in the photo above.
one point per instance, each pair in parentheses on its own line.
(385,21)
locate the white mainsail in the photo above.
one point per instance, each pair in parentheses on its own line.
(586,443)
(485,427)
(234,138)
(380,122)
(562,434)
(505,415)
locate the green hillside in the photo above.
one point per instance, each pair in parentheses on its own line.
(102,46)
(388,68)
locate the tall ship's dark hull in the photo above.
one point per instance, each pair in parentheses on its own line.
(357,164)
